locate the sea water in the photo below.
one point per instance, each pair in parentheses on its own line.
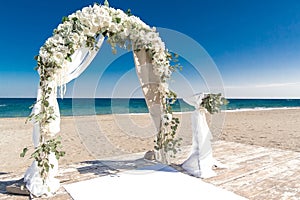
(20,107)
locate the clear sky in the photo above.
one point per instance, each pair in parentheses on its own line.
(255,45)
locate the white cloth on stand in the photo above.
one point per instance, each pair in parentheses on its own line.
(200,161)
(34,182)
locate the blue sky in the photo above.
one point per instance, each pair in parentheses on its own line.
(255,45)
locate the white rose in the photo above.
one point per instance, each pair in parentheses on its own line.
(87,31)
(151,36)
(72,15)
(57,39)
(156,47)
(85,21)
(87,10)
(96,9)
(58,57)
(106,21)
(113,27)
(60,27)
(75,37)
(43,53)
(121,14)
(96,21)
(49,41)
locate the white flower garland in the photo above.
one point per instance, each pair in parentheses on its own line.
(82,29)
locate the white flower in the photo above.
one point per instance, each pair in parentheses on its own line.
(75,37)
(58,57)
(87,31)
(113,27)
(60,27)
(121,14)
(85,21)
(166,118)
(44,54)
(87,11)
(94,30)
(96,21)
(151,36)
(106,21)
(164,87)
(167,72)
(57,39)
(73,15)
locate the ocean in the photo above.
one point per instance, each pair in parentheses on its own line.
(20,107)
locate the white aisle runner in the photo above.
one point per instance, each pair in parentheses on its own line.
(154,182)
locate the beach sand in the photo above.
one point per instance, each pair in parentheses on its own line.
(96,137)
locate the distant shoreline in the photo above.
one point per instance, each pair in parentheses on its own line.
(14,107)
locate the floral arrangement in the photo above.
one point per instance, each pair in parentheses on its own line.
(213,102)
(83,29)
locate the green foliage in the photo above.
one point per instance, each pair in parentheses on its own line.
(23,152)
(128,12)
(213,102)
(42,152)
(174,61)
(106,3)
(166,139)
(65,19)
(117,20)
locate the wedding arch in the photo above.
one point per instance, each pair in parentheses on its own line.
(65,55)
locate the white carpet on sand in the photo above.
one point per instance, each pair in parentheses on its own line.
(154,182)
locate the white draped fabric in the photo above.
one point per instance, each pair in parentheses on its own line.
(80,61)
(150,83)
(200,161)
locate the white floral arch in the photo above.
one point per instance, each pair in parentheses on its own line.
(66,54)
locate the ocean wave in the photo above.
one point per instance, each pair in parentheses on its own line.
(2,105)
(260,109)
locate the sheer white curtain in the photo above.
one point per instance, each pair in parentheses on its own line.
(80,61)
(200,161)
(150,83)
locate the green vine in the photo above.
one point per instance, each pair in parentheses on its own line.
(42,152)
(165,139)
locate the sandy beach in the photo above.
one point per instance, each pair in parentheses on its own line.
(95,137)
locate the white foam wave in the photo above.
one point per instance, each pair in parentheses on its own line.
(261,109)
